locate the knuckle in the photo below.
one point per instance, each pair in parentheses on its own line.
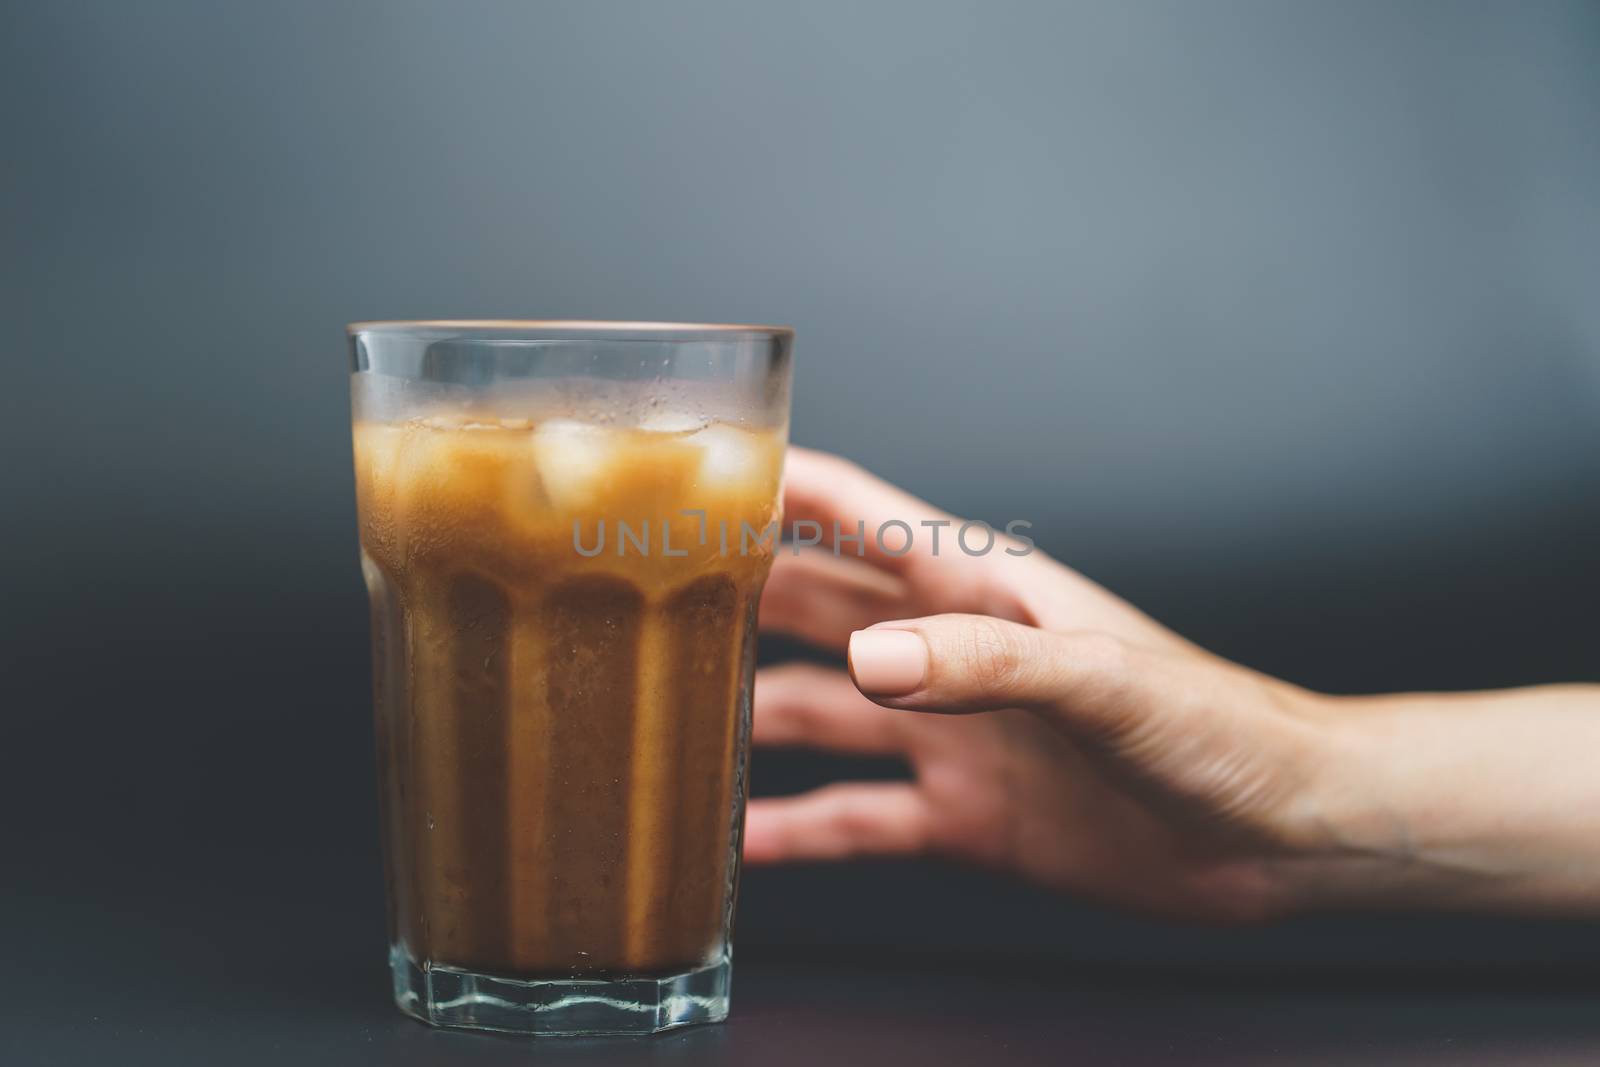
(783,691)
(829,465)
(848,825)
(847,478)
(786,676)
(837,464)
(990,652)
(849,822)
(1103,654)
(1104,664)
(780,599)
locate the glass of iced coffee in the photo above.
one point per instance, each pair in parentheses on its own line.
(565,527)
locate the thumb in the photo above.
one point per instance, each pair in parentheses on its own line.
(966,663)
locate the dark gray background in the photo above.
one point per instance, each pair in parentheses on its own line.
(1280,319)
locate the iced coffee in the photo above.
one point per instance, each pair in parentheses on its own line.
(563,619)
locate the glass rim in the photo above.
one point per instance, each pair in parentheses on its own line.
(568,330)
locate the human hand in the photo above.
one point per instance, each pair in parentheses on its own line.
(1055,732)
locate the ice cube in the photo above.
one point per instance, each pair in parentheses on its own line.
(450,423)
(572,457)
(379,449)
(729,457)
(673,422)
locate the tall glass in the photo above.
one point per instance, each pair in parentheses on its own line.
(565,527)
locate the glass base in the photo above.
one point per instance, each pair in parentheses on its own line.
(448,996)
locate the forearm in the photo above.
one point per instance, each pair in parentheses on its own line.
(1470,801)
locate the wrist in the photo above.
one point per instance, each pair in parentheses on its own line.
(1361,831)
(1361,844)
(1450,802)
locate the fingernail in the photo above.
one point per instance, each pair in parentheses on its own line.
(888,663)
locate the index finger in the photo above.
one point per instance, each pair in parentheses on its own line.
(850,511)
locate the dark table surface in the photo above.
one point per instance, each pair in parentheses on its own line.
(220,974)
(810,1012)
